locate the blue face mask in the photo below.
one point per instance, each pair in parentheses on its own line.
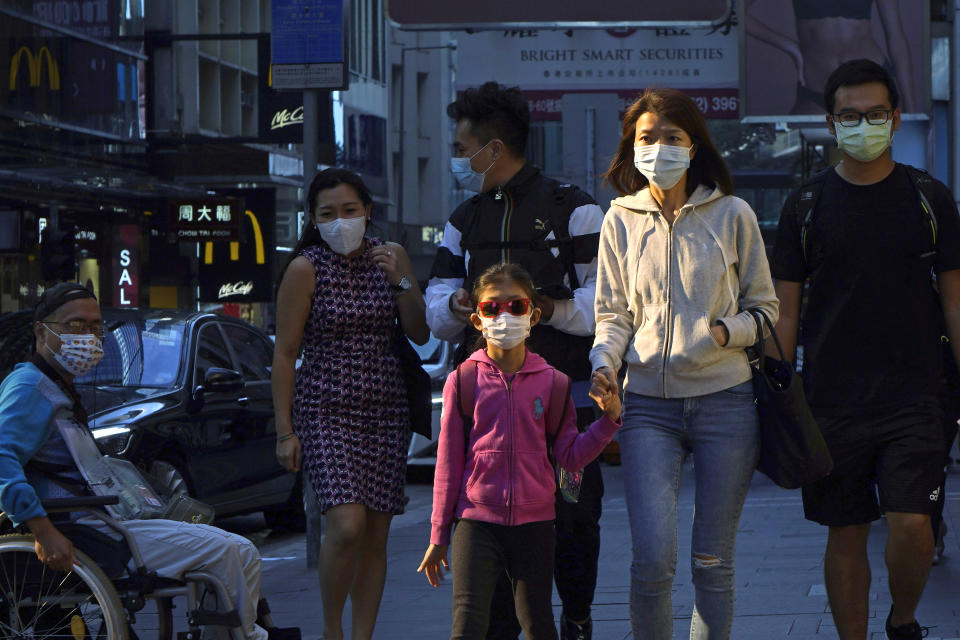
(464,174)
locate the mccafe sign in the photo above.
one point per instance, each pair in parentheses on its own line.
(286,118)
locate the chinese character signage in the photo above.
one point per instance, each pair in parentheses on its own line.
(548,64)
(460,14)
(242,271)
(308,44)
(206,219)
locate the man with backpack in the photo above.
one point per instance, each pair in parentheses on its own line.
(879,244)
(553,231)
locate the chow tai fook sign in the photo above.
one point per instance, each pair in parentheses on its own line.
(125,259)
(206,219)
(242,270)
(546,64)
(492,14)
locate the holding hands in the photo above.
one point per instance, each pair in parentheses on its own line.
(605,392)
(434,562)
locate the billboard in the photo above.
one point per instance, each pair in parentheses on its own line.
(792,46)
(547,64)
(494,14)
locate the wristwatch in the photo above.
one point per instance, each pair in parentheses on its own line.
(403,286)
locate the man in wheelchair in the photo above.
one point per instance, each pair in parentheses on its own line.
(36,463)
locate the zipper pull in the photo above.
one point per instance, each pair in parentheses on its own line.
(499,195)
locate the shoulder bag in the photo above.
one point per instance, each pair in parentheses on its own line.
(793,452)
(416,381)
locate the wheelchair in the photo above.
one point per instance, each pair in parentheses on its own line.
(100,597)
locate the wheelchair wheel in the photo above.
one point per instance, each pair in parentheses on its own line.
(38,602)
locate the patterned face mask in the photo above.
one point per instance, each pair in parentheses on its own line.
(79,352)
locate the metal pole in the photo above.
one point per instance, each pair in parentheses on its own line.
(955,99)
(401,235)
(403,111)
(311,115)
(591,150)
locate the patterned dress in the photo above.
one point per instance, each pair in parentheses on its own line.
(350,403)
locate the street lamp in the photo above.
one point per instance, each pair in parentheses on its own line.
(401,234)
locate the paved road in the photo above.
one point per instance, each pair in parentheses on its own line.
(780,591)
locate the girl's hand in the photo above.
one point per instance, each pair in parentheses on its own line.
(606,393)
(386,258)
(289,453)
(434,561)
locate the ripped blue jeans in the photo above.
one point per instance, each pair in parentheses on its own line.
(722,432)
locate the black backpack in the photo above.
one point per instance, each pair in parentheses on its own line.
(923,185)
(810,196)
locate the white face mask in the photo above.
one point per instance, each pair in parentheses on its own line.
(79,352)
(506,330)
(662,164)
(864,142)
(344,235)
(464,174)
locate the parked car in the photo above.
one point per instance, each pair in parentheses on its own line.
(437,357)
(186,397)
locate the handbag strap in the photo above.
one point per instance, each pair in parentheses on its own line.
(759,317)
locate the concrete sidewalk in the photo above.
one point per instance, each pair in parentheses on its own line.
(779,568)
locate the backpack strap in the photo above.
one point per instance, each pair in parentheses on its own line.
(806,205)
(923,182)
(466,397)
(561,230)
(559,399)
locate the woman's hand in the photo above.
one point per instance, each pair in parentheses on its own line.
(434,562)
(605,392)
(720,334)
(289,453)
(386,258)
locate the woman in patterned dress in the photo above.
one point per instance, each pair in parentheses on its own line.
(344,412)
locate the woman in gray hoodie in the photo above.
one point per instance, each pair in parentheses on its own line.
(681,261)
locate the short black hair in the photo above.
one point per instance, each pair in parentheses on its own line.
(495,111)
(854,72)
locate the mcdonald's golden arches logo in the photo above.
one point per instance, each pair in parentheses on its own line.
(35,67)
(259,253)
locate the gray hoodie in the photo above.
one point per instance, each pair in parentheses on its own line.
(660,287)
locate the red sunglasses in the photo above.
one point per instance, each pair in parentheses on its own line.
(515,307)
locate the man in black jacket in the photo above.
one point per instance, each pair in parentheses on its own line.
(553,231)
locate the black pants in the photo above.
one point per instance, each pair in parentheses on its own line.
(482,553)
(577,554)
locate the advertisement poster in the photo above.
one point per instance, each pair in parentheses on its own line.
(548,64)
(792,46)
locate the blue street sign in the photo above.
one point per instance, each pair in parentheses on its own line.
(307,44)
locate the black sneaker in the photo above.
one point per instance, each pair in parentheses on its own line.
(572,631)
(909,631)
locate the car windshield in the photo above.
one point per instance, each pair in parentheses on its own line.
(430,352)
(138,353)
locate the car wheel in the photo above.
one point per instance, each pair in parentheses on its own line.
(288,517)
(170,479)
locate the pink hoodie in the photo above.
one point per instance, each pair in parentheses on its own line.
(506,477)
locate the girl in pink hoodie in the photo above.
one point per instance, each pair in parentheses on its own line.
(498,484)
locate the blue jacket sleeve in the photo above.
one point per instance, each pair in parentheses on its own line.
(26,416)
